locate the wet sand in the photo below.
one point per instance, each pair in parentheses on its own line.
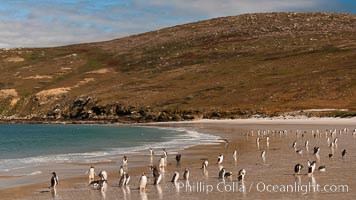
(277,169)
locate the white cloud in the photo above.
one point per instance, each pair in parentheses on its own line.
(214,8)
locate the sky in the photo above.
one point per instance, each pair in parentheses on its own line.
(45,23)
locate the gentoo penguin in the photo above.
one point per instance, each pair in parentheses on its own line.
(222,173)
(241,175)
(98,184)
(204,165)
(127,178)
(234,154)
(228,174)
(343,153)
(178,157)
(298,168)
(309,163)
(103,175)
(162,162)
(335,141)
(165,154)
(263,155)
(175,177)
(321,169)
(220,159)
(157,179)
(54,180)
(186,174)
(306,144)
(124,161)
(299,151)
(165,157)
(124,179)
(91,173)
(316,150)
(311,167)
(294,145)
(332,145)
(331,155)
(154,171)
(143,182)
(121,171)
(151,152)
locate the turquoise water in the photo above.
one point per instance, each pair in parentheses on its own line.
(28,145)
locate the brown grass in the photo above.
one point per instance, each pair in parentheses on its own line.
(274,62)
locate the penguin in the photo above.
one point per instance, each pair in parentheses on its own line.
(54,180)
(220,159)
(228,174)
(175,177)
(121,171)
(154,171)
(91,173)
(222,173)
(316,150)
(151,152)
(143,182)
(311,168)
(186,174)
(263,155)
(98,184)
(205,164)
(124,161)
(165,154)
(258,140)
(157,179)
(124,179)
(103,175)
(335,141)
(241,175)
(343,153)
(294,145)
(162,162)
(234,154)
(299,151)
(321,169)
(178,157)
(298,168)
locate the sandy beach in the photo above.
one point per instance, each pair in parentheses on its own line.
(276,171)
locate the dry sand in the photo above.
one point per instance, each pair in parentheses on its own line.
(276,170)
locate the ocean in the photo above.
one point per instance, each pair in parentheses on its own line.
(25,148)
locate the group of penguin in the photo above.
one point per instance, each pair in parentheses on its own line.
(316,150)
(101,184)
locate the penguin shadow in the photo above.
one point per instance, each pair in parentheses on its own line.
(47,190)
(52,191)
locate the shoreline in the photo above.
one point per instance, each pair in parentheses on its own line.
(111,159)
(293,119)
(198,151)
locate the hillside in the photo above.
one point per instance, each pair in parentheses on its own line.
(266,64)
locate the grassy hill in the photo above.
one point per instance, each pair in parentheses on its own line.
(238,66)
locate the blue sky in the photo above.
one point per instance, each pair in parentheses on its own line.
(41,23)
